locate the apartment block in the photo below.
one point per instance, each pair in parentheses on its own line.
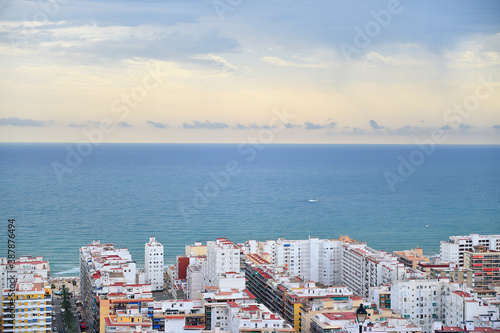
(364,267)
(453,249)
(153,262)
(422,301)
(108,276)
(214,298)
(310,259)
(411,258)
(31,299)
(486,267)
(222,256)
(234,317)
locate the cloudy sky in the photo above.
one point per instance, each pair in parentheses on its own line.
(297,71)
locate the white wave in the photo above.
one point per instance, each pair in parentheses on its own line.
(71,271)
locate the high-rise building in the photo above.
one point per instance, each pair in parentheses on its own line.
(453,249)
(427,301)
(109,280)
(25,290)
(364,267)
(222,256)
(310,259)
(153,258)
(485,265)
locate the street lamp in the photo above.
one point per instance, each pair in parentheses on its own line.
(361,316)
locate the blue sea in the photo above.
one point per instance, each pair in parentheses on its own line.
(63,196)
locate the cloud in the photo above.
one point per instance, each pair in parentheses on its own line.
(157,124)
(374,125)
(217,62)
(311,126)
(125,124)
(353,131)
(15,121)
(446,127)
(410,130)
(464,126)
(496,126)
(77,125)
(240,126)
(205,125)
(284,63)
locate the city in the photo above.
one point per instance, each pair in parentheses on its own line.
(309,285)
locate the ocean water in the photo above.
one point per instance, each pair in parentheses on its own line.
(182,193)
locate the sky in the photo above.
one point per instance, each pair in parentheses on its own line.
(233,71)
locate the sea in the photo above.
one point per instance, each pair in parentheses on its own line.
(394,197)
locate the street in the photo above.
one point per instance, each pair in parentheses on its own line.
(58,320)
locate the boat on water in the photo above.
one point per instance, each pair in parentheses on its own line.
(312,200)
(427,226)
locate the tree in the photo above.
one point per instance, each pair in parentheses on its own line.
(68,315)
(74,285)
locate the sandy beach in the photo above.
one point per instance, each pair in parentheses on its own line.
(59,281)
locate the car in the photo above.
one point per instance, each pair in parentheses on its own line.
(54,329)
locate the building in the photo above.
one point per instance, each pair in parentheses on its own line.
(364,267)
(28,293)
(485,265)
(297,297)
(422,301)
(387,325)
(153,259)
(464,275)
(214,298)
(108,276)
(313,259)
(453,249)
(194,281)
(411,258)
(196,250)
(254,317)
(466,327)
(222,256)
(462,306)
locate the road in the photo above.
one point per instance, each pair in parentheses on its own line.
(57,309)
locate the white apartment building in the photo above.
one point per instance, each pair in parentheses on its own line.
(234,317)
(462,306)
(453,249)
(391,325)
(364,267)
(222,256)
(310,259)
(194,281)
(107,272)
(153,259)
(424,301)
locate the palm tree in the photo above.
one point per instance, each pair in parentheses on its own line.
(74,285)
